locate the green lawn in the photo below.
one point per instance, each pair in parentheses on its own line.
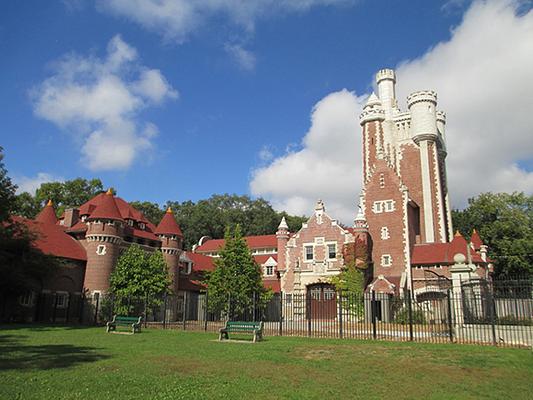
(40,362)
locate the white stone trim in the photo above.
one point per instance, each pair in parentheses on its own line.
(426,193)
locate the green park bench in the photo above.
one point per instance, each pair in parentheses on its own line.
(134,322)
(255,328)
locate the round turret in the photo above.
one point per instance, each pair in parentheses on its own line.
(169,232)
(385,74)
(373,110)
(105,228)
(422,106)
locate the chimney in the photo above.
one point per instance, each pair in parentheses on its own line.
(71,217)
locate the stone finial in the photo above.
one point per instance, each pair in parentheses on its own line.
(283,225)
(320,206)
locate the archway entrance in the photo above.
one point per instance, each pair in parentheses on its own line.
(322,303)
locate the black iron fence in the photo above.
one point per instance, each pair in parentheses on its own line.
(471,314)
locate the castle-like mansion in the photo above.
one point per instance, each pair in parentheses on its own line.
(404,221)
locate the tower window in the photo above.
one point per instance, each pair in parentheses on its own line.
(269,270)
(381,181)
(386,260)
(101,250)
(385,233)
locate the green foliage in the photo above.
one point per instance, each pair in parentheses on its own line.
(402,316)
(66,194)
(22,265)
(151,211)
(139,275)
(505,223)
(210,217)
(236,278)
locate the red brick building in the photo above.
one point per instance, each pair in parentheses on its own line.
(405,204)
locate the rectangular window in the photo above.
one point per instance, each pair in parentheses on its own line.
(270,270)
(378,207)
(389,205)
(308,253)
(62,300)
(332,250)
(28,299)
(386,260)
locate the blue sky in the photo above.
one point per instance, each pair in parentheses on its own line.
(216,97)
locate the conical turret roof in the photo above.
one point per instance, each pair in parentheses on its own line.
(107,209)
(47,214)
(283,224)
(476,240)
(168,225)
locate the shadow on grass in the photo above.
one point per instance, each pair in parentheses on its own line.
(41,327)
(15,355)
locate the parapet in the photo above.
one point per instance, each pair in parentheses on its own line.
(422,96)
(441,117)
(385,74)
(372,111)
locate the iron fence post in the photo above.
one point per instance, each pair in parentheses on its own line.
(281,313)
(341,333)
(205,312)
(81,310)
(450,323)
(410,311)
(184,310)
(55,308)
(68,308)
(254,305)
(96,309)
(145,309)
(374,316)
(165,311)
(308,312)
(492,307)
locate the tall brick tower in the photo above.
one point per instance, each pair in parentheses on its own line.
(405,197)
(104,235)
(171,238)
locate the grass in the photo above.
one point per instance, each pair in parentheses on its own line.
(43,362)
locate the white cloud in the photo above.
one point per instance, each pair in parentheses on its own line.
(483,79)
(176,19)
(245,59)
(327,166)
(98,101)
(265,154)
(31,184)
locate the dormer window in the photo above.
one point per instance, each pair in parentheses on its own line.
(83,218)
(142,225)
(130,222)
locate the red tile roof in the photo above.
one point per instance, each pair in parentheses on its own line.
(254,242)
(201,262)
(47,214)
(107,208)
(263,258)
(442,253)
(168,225)
(476,240)
(52,239)
(126,211)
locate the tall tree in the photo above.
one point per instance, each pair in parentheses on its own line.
(151,211)
(210,217)
(236,280)
(22,265)
(140,274)
(505,223)
(66,194)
